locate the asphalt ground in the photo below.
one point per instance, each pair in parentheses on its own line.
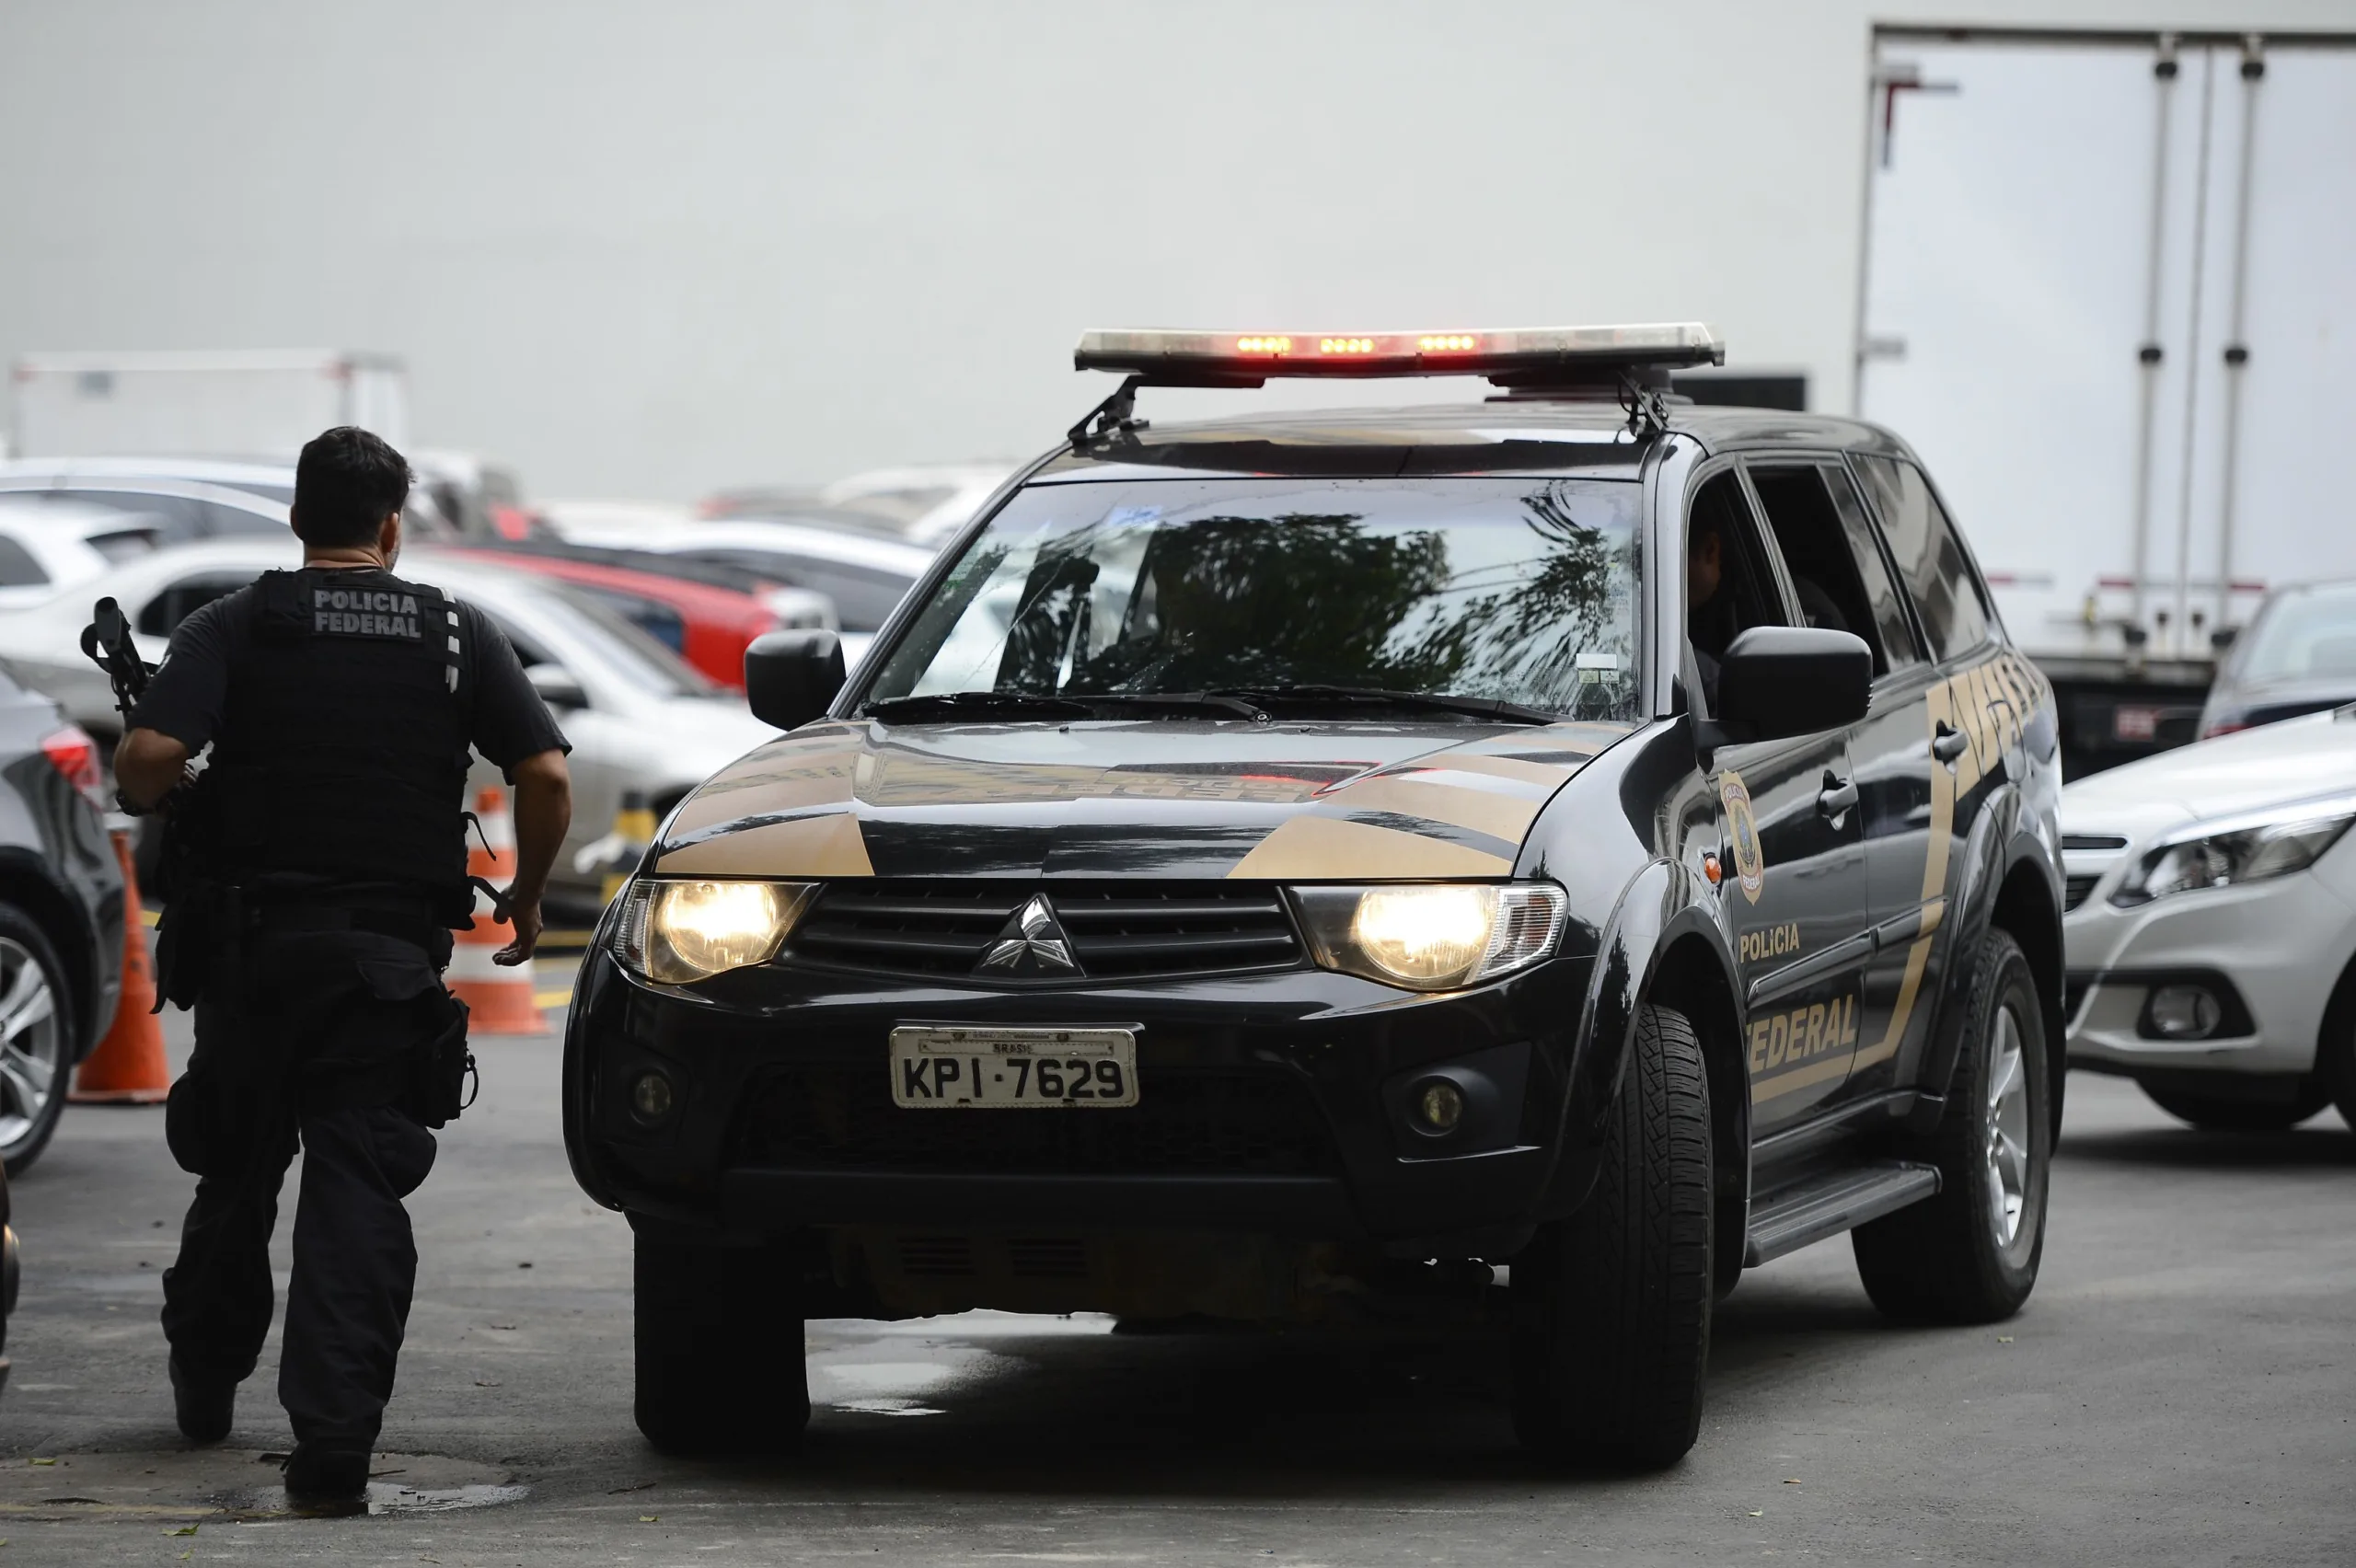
(2181,1388)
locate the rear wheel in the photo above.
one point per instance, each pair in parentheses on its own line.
(1612,1305)
(720,1363)
(1970,1253)
(35,1040)
(2228,1114)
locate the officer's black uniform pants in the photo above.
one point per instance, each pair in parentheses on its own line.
(354,1268)
(254,1085)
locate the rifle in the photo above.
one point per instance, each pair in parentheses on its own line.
(107,641)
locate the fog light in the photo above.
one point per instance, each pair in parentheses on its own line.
(650,1096)
(1440,1105)
(2185,1012)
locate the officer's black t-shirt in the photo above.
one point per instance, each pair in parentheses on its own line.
(509,721)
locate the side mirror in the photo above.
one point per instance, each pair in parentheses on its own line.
(1778,681)
(2224,637)
(790,677)
(557,687)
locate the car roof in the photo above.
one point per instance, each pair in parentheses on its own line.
(228,495)
(701,599)
(1507,435)
(752,533)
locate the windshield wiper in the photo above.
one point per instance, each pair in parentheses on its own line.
(1471,707)
(973,705)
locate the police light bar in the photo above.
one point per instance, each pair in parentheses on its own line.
(1521,353)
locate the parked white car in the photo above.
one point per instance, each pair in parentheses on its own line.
(638,718)
(50,544)
(2212,924)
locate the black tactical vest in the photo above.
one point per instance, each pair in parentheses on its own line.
(343,748)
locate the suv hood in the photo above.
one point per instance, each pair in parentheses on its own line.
(1131,798)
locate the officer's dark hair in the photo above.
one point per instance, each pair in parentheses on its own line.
(346,483)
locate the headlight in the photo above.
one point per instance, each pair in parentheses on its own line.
(677,931)
(1432,935)
(2229,851)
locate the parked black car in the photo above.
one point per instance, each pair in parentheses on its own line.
(2298,655)
(60,916)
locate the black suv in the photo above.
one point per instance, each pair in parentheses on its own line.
(1293,867)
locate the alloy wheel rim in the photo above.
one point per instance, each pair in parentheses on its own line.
(2008,1129)
(30,1046)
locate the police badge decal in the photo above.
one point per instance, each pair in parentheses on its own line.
(1749,865)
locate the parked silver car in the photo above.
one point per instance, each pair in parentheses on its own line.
(639,719)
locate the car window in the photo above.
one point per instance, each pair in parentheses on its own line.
(1515,589)
(122,544)
(220,521)
(177,518)
(864,596)
(1930,560)
(1835,566)
(2310,632)
(652,616)
(627,652)
(17,566)
(163,614)
(1729,586)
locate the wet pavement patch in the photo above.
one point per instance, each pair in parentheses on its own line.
(192,1486)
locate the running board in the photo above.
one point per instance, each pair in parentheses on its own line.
(1828,1204)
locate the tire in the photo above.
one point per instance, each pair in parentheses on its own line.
(2219,1114)
(2336,1051)
(1612,1305)
(719,1342)
(1970,1253)
(37,1040)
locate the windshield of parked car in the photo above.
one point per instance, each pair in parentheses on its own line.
(2307,634)
(1519,591)
(630,654)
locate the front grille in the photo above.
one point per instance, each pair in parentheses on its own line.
(2092,841)
(2074,889)
(1188,1123)
(1133,930)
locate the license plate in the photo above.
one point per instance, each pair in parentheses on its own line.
(938,1067)
(2134,723)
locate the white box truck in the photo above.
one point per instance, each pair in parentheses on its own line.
(258,405)
(2109,292)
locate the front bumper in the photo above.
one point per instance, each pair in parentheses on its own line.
(2278,947)
(1272,1103)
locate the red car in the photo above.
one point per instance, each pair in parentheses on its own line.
(707,627)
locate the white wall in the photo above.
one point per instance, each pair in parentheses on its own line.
(654,249)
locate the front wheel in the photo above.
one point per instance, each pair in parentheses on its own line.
(1970,1253)
(718,1338)
(1612,1305)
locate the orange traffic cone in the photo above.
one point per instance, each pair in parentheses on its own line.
(500,999)
(128,1067)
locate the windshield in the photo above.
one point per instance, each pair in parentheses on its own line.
(1517,591)
(2308,634)
(631,653)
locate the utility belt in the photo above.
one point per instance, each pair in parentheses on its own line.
(386,1031)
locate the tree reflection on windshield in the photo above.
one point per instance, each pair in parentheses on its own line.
(1519,591)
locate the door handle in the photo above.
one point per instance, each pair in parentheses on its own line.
(1949,743)
(1837,796)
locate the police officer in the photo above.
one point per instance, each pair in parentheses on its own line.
(319,869)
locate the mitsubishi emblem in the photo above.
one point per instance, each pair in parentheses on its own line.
(1032,943)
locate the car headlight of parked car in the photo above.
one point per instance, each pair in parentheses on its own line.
(2229,851)
(675,932)
(1432,935)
